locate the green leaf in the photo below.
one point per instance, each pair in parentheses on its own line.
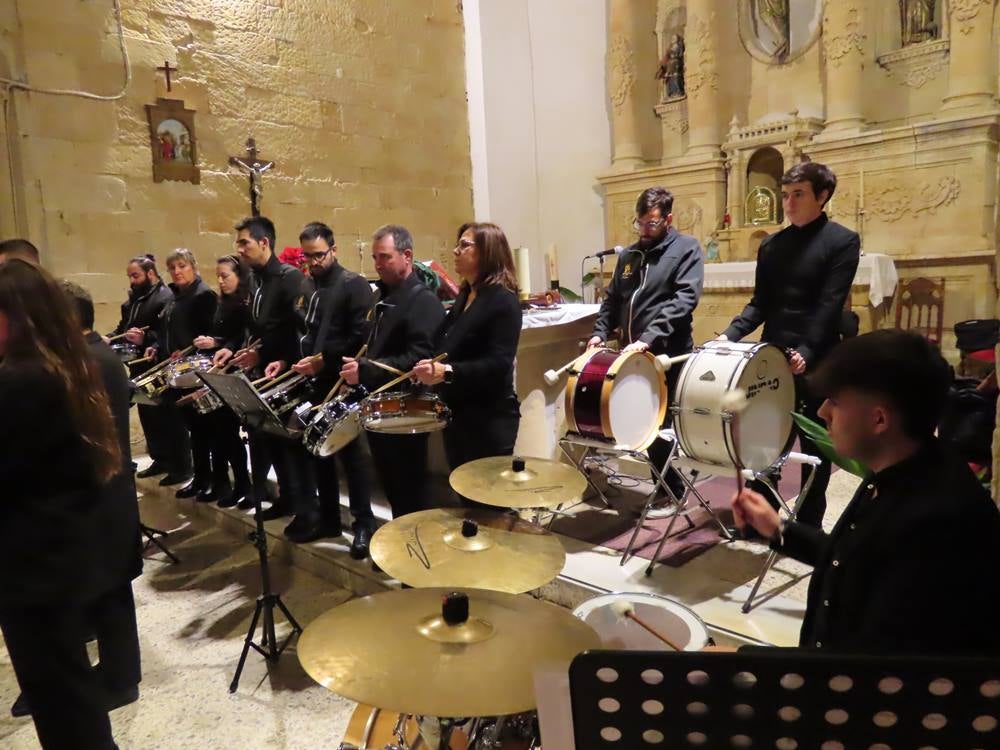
(819,435)
(569,295)
(588,279)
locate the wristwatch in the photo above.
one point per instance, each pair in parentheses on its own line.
(449,374)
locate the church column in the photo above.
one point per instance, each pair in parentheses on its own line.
(701,77)
(970,71)
(844,43)
(622,77)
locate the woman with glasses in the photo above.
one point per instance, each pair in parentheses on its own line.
(480,335)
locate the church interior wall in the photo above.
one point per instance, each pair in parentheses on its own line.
(361,105)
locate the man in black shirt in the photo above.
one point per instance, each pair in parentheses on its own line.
(909,565)
(803,279)
(335,319)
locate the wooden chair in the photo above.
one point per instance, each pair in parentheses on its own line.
(920,307)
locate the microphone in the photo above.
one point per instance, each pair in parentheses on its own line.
(616,250)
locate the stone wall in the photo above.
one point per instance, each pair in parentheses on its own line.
(360,103)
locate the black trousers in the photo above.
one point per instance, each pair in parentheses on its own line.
(48,651)
(166,437)
(350,459)
(261,461)
(114,623)
(474,434)
(401,466)
(227,448)
(659,450)
(200,429)
(295,482)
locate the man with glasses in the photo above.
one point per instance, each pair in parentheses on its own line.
(651,299)
(335,323)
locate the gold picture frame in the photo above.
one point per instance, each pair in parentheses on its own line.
(172,141)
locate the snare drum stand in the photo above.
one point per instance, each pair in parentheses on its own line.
(150,533)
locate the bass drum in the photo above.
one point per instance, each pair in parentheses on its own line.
(764,429)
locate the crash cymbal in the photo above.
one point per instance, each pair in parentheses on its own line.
(482,549)
(511,482)
(396,651)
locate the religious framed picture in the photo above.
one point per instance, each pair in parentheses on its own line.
(779,31)
(173,142)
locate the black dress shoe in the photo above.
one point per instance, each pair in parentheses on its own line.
(191,489)
(215,492)
(119,698)
(174,479)
(246,503)
(278,510)
(233,498)
(20,707)
(153,470)
(362,539)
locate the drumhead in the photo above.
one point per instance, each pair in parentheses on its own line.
(764,428)
(671,618)
(636,405)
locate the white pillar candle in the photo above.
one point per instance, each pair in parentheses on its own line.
(523,272)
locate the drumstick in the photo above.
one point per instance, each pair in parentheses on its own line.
(138,361)
(626,610)
(405,376)
(340,382)
(735,403)
(122,335)
(551,377)
(666,362)
(387,368)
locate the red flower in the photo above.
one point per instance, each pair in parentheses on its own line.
(292,256)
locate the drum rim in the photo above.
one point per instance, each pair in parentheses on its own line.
(585,608)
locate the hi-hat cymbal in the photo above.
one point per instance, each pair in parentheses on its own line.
(510,482)
(482,549)
(395,650)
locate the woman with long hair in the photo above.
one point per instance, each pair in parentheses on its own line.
(228,332)
(480,336)
(58,449)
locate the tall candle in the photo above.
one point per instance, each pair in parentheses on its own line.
(523,272)
(553,268)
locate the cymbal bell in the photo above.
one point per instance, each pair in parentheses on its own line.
(397,650)
(511,482)
(470,547)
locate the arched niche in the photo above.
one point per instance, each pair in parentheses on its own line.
(764,170)
(753,243)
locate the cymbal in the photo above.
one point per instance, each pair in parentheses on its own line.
(482,549)
(395,650)
(505,483)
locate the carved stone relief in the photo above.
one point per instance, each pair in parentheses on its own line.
(701,73)
(917,64)
(687,217)
(965,12)
(893,200)
(838,46)
(621,60)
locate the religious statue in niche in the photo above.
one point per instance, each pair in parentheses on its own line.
(173,143)
(773,15)
(671,70)
(779,31)
(916,19)
(762,206)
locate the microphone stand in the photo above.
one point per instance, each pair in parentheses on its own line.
(599,286)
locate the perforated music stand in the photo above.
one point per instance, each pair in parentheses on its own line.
(783,698)
(239,395)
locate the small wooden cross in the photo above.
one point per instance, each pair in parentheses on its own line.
(167,69)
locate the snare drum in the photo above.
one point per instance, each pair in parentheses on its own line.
(335,424)
(616,397)
(205,401)
(672,619)
(400,413)
(183,373)
(127,352)
(287,395)
(149,390)
(704,428)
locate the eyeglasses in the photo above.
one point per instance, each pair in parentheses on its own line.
(317,257)
(652,225)
(464,245)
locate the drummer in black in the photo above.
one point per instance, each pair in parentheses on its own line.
(480,335)
(803,278)
(405,320)
(652,296)
(186,316)
(140,315)
(335,321)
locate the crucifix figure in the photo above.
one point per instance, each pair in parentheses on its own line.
(255,168)
(167,70)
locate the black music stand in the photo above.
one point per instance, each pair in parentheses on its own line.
(239,395)
(783,698)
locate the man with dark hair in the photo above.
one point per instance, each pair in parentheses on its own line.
(335,324)
(908,567)
(19,249)
(803,279)
(405,321)
(652,296)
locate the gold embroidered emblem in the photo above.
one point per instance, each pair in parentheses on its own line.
(627,271)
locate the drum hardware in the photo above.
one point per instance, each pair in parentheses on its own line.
(519,483)
(468,547)
(445,638)
(404,413)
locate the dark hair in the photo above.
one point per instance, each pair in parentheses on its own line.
(315,230)
(242,271)
(400,236)
(820,176)
(20,249)
(655,197)
(182,254)
(146,262)
(84,303)
(260,228)
(496,262)
(44,332)
(899,366)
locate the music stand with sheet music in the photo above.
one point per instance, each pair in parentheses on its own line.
(239,395)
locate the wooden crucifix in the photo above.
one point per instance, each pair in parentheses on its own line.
(255,168)
(167,70)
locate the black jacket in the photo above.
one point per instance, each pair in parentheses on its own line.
(275,290)
(802,281)
(48,493)
(653,294)
(229,324)
(143,311)
(481,344)
(116,517)
(335,319)
(404,323)
(909,565)
(188,315)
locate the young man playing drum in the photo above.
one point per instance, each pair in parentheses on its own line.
(909,565)
(652,296)
(803,278)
